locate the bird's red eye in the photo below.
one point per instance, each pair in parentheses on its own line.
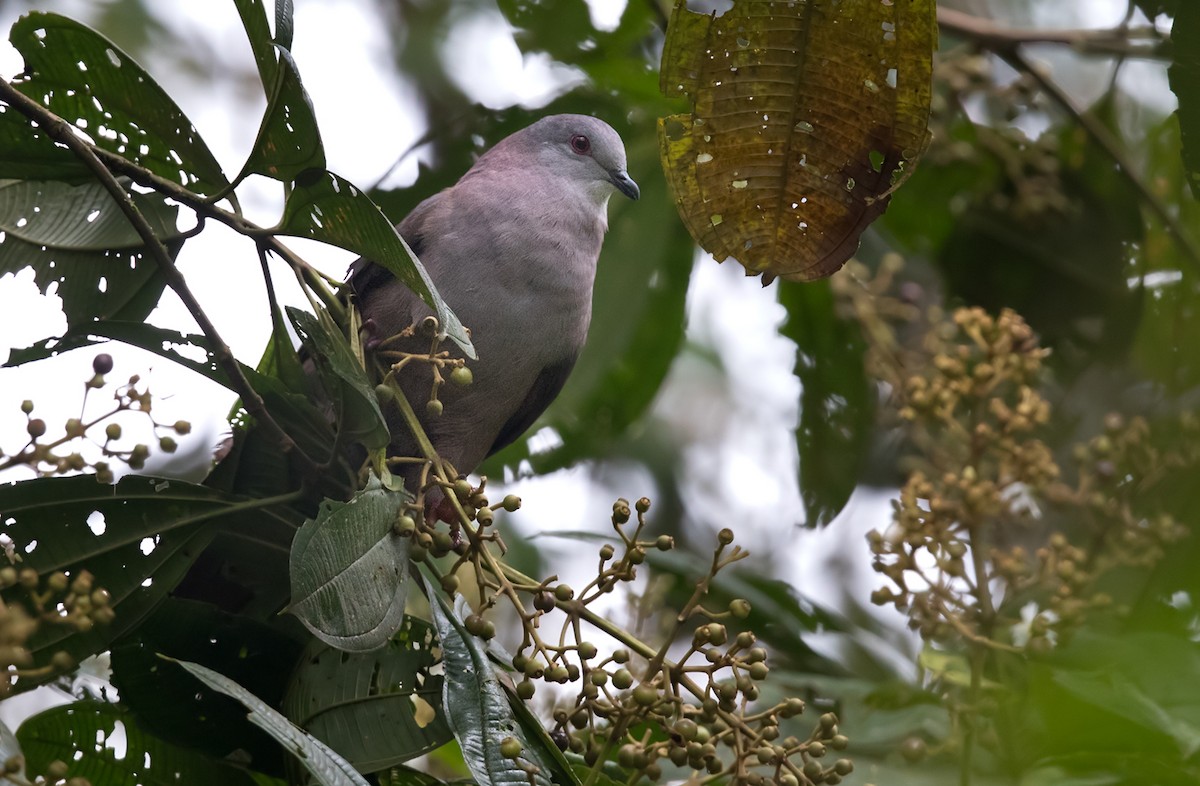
(581,144)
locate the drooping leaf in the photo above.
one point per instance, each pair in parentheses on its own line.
(377,709)
(137,538)
(170,344)
(78,242)
(87,80)
(324,207)
(804,117)
(289,141)
(168,703)
(101,742)
(836,402)
(350,570)
(357,408)
(323,764)
(1184,75)
(478,710)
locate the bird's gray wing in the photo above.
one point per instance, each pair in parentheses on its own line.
(544,390)
(365,275)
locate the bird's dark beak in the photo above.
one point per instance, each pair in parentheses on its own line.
(625,184)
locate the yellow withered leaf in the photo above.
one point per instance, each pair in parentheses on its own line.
(806,114)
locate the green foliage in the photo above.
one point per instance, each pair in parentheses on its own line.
(1069,480)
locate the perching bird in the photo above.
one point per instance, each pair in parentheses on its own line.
(512,249)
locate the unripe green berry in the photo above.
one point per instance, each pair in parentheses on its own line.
(843,766)
(816,749)
(687,729)
(739,608)
(57,582)
(606,552)
(450,583)
(525,690)
(758,671)
(462,376)
(511,503)
(621,656)
(74,428)
(587,650)
(434,407)
(510,747)
(828,721)
(183,427)
(812,770)
(664,543)
(36,427)
(598,677)
(645,695)
(462,489)
(622,679)
(725,536)
(62,661)
(56,770)
(27,406)
(28,578)
(485,517)
(405,526)
(563,593)
(167,444)
(839,742)
(8,576)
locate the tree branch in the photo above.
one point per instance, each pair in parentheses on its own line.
(1121,41)
(62,132)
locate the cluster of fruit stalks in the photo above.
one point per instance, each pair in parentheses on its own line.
(56,599)
(697,712)
(65,454)
(968,548)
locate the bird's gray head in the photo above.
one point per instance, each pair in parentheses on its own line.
(580,147)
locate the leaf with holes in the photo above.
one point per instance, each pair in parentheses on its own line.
(325,207)
(137,538)
(88,81)
(80,244)
(289,141)
(102,743)
(805,116)
(377,709)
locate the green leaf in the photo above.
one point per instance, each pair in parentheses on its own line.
(1184,75)
(258,32)
(376,709)
(356,406)
(288,141)
(80,244)
(836,401)
(804,118)
(350,570)
(167,701)
(324,207)
(326,767)
(284,26)
(87,80)
(137,538)
(87,736)
(478,710)
(166,343)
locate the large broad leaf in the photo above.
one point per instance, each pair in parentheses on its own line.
(324,207)
(325,766)
(805,116)
(478,710)
(836,402)
(137,538)
(167,702)
(350,570)
(101,742)
(80,244)
(377,709)
(87,80)
(1184,74)
(357,408)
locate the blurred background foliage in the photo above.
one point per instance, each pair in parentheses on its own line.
(1054,186)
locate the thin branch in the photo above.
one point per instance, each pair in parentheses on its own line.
(64,133)
(1105,140)
(1145,42)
